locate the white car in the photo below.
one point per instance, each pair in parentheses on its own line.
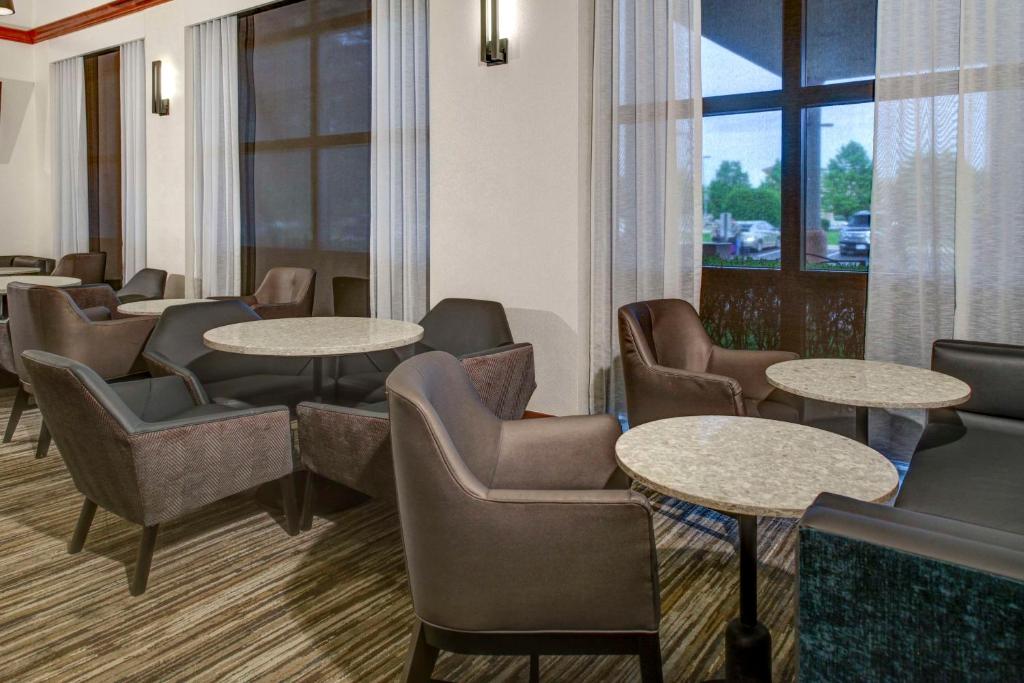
(757,236)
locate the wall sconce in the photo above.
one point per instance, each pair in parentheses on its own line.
(161,105)
(493,49)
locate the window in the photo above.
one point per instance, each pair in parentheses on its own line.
(304,108)
(103,145)
(788,129)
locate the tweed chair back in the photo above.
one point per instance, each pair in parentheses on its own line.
(79,409)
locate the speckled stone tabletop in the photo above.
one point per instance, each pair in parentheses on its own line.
(46,280)
(868,384)
(329,336)
(17,270)
(155,306)
(752,466)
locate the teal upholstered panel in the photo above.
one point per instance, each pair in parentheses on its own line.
(871,613)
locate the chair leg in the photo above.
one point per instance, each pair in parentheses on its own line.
(145,559)
(43,447)
(650,658)
(534,668)
(419,665)
(308,500)
(20,404)
(291,510)
(82,528)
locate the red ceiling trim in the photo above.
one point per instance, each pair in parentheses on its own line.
(76,22)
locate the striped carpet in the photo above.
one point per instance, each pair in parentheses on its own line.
(232,598)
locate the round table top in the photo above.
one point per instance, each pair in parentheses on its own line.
(17,270)
(155,306)
(329,336)
(866,383)
(752,466)
(46,280)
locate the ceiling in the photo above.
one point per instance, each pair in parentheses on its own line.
(24,11)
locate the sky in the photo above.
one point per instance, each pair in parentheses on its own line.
(755,140)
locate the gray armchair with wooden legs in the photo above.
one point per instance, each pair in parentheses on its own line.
(147,452)
(521,537)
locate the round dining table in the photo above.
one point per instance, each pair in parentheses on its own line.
(315,338)
(155,306)
(43,280)
(867,384)
(750,467)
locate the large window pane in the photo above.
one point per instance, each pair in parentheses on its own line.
(742,189)
(103,144)
(741,46)
(838,143)
(340,112)
(840,41)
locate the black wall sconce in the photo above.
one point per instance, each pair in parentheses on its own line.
(493,49)
(161,106)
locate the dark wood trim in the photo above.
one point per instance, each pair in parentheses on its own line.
(531,415)
(76,22)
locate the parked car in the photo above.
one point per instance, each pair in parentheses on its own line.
(855,238)
(757,236)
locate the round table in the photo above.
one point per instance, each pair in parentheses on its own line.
(867,384)
(44,280)
(313,337)
(749,467)
(155,306)
(17,270)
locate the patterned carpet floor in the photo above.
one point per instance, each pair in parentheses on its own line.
(232,597)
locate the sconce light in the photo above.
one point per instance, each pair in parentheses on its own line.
(493,49)
(6,7)
(161,106)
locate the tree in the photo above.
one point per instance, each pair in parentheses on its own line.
(729,177)
(754,204)
(846,185)
(773,177)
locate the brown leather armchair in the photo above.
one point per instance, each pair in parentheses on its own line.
(89,267)
(521,537)
(673,369)
(45,265)
(146,451)
(284,293)
(75,323)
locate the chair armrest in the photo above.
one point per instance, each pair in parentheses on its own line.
(351,446)
(161,366)
(656,392)
(184,464)
(575,452)
(748,368)
(883,589)
(503,378)
(536,559)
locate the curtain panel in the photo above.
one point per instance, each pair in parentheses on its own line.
(644,208)
(214,251)
(399,161)
(947,210)
(69,156)
(133,156)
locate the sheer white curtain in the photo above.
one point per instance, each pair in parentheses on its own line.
(133,155)
(644,160)
(947,209)
(399,161)
(214,254)
(69,156)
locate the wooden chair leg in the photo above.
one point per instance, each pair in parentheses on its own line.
(145,559)
(82,528)
(20,404)
(534,668)
(43,447)
(650,659)
(291,510)
(308,500)
(419,664)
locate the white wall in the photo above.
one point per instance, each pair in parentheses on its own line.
(504,175)
(19,176)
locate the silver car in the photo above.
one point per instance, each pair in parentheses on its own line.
(855,238)
(757,236)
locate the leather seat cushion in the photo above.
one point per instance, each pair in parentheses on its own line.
(970,468)
(363,387)
(265,390)
(207,409)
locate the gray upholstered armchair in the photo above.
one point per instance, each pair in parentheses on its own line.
(89,267)
(145,285)
(521,537)
(147,452)
(284,293)
(672,368)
